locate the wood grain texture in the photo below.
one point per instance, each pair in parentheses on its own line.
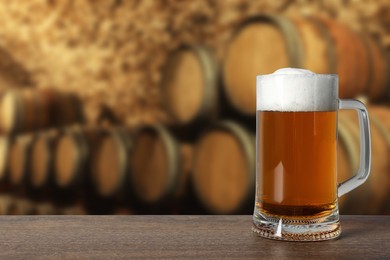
(197,237)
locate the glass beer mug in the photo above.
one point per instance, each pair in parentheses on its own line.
(297,189)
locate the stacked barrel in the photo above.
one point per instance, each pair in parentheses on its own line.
(203,159)
(213,101)
(266,43)
(30,121)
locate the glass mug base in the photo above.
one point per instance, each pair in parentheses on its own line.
(298,229)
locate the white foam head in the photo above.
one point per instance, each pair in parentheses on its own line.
(291,89)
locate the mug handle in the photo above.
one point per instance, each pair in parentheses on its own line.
(365,147)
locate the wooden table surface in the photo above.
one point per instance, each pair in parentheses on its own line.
(200,237)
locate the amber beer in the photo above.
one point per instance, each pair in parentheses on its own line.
(297,163)
(297,189)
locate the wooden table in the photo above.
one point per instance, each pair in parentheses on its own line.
(198,237)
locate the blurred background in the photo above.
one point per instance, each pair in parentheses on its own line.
(148,107)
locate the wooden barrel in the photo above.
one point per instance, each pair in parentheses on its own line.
(48,100)
(159,166)
(19,159)
(319,54)
(109,162)
(324,42)
(371,197)
(378,87)
(32,110)
(352,59)
(224,169)
(361,73)
(19,111)
(42,158)
(263,44)
(69,110)
(72,156)
(189,85)
(260,45)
